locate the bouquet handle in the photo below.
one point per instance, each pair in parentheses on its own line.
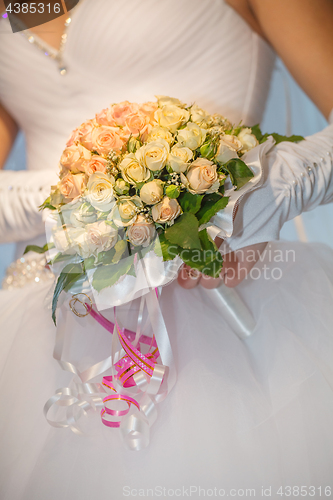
(234,311)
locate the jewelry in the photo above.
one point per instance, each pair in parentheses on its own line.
(48,51)
(74,300)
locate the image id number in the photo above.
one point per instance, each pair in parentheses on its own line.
(33,8)
(304,491)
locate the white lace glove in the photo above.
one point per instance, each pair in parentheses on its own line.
(297,178)
(21,193)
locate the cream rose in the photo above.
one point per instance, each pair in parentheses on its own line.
(100,237)
(201,177)
(158,133)
(73,157)
(121,187)
(178,159)
(228,148)
(104,139)
(164,100)
(100,191)
(192,136)
(141,232)
(171,117)
(81,215)
(132,170)
(71,186)
(66,239)
(248,140)
(154,155)
(166,211)
(125,212)
(152,192)
(200,116)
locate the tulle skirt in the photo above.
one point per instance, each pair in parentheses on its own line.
(254,414)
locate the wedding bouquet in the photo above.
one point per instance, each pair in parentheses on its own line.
(140,178)
(138,187)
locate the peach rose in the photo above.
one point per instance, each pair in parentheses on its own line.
(141,232)
(201,177)
(74,138)
(148,108)
(86,130)
(105,117)
(137,124)
(71,186)
(120,111)
(95,164)
(166,211)
(105,139)
(73,157)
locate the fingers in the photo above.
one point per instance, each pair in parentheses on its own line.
(237,265)
(188,277)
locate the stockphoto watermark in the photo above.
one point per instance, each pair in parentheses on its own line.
(268,264)
(220,492)
(24,15)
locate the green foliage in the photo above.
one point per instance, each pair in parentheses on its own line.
(239,172)
(190,202)
(213,203)
(37,249)
(69,275)
(163,248)
(184,232)
(108,275)
(208,260)
(172,191)
(47,204)
(277,137)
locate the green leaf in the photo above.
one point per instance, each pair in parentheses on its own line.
(163,248)
(184,232)
(120,247)
(239,172)
(47,204)
(106,257)
(190,202)
(37,249)
(208,260)
(277,137)
(60,257)
(212,204)
(106,276)
(172,191)
(69,275)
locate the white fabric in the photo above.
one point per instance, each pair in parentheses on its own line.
(297,178)
(246,414)
(21,193)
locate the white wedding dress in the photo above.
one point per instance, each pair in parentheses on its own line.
(243,414)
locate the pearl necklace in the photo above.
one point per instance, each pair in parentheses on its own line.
(48,51)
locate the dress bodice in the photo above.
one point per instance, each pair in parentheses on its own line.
(198,51)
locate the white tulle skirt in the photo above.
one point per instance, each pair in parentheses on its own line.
(243,415)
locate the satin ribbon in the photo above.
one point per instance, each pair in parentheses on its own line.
(137,379)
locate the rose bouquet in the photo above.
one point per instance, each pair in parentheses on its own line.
(139,185)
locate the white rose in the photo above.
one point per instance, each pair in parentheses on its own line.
(200,116)
(141,232)
(201,177)
(228,148)
(153,155)
(178,158)
(152,192)
(125,212)
(166,211)
(65,239)
(132,170)
(82,215)
(192,136)
(164,100)
(100,237)
(171,117)
(248,140)
(157,133)
(100,191)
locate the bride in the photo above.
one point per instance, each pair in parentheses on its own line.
(246,418)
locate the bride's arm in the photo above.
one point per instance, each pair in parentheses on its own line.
(20,192)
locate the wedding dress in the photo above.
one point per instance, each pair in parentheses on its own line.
(243,415)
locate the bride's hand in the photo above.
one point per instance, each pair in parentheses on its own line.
(236,267)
